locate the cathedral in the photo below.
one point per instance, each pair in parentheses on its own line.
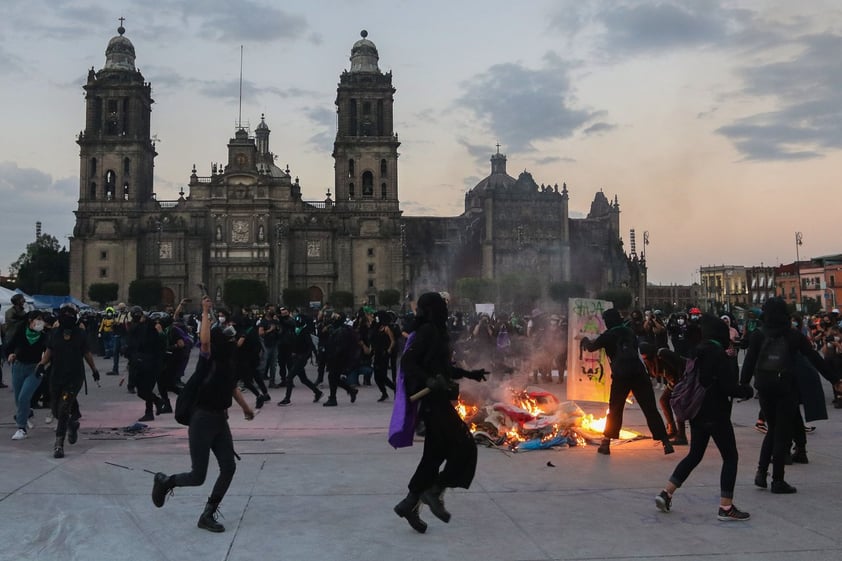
(247,218)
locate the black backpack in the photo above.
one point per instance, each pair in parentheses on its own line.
(773,369)
(626,352)
(688,394)
(185,403)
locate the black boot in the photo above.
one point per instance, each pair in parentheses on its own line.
(605,447)
(668,449)
(409,508)
(207,521)
(782,487)
(434,498)
(72,432)
(160,487)
(800,456)
(331,402)
(58,449)
(760,478)
(159,406)
(166,407)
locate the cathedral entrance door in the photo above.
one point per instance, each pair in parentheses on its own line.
(316,295)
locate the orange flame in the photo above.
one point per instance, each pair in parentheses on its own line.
(598,426)
(465,410)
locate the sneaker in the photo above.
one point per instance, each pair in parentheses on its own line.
(330,403)
(317,396)
(663,501)
(783,488)
(48,419)
(283,402)
(732,514)
(604,448)
(809,429)
(354,395)
(20,434)
(161,485)
(668,449)
(146,418)
(761,427)
(72,432)
(800,457)
(760,479)
(58,452)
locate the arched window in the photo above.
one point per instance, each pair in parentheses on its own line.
(383,191)
(351,170)
(368,184)
(383,168)
(127,166)
(351,190)
(110,183)
(92,194)
(126,191)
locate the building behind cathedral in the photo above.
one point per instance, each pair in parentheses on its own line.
(246,219)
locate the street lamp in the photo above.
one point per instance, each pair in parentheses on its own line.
(798,242)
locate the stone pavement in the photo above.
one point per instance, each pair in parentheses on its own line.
(320,484)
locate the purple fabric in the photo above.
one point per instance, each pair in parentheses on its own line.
(405,412)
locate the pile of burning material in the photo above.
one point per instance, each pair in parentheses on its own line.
(532,420)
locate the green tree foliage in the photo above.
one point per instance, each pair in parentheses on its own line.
(810,306)
(243,293)
(341,300)
(389,297)
(562,291)
(621,297)
(296,298)
(519,291)
(103,292)
(145,293)
(476,289)
(44,261)
(55,288)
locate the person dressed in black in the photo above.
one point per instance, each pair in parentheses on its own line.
(247,358)
(301,349)
(426,363)
(209,431)
(145,348)
(778,391)
(342,356)
(67,347)
(382,344)
(718,374)
(628,374)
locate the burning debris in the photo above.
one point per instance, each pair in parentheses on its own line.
(531,420)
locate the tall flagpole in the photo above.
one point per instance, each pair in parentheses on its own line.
(240,114)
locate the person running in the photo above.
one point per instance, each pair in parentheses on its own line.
(628,374)
(209,430)
(301,348)
(66,348)
(426,363)
(718,374)
(25,352)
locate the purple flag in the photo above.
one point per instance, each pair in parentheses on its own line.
(405,412)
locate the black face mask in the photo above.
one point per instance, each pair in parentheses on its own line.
(67,323)
(136,317)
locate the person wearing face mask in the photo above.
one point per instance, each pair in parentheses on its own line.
(25,352)
(300,351)
(67,347)
(677,330)
(15,319)
(146,344)
(342,355)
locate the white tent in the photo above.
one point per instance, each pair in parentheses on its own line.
(6,298)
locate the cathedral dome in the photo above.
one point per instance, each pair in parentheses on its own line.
(119,55)
(364,55)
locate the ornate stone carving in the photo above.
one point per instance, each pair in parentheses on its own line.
(240,230)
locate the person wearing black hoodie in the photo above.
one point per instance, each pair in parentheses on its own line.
(718,375)
(779,400)
(426,363)
(628,374)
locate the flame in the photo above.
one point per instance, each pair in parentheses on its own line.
(598,426)
(466,411)
(527,403)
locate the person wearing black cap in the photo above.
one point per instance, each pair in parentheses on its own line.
(770,361)
(427,364)
(628,374)
(67,346)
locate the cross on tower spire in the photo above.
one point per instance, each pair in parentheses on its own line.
(498,146)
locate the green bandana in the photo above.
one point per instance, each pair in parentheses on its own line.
(32,336)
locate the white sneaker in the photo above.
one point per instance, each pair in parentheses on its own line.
(29,424)
(48,419)
(19,435)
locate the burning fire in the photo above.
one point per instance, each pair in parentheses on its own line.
(598,426)
(465,410)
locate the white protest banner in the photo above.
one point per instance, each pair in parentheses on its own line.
(588,374)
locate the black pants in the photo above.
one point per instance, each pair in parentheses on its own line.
(722,433)
(299,362)
(209,432)
(781,410)
(449,440)
(284,363)
(381,368)
(145,372)
(334,380)
(321,361)
(252,383)
(640,386)
(65,405)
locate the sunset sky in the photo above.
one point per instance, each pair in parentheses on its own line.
(717,124)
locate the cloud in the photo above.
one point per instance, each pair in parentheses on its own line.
(230,89)
(522,105)
(35,196)
(245,20)
(553,160)
(9,63)
(599,128)
(807,91)
(479,152)
(325,121)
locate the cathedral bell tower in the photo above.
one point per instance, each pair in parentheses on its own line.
(366,148)
(116,148)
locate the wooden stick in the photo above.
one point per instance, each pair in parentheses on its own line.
(419,394)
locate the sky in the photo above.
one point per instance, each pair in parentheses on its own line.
(717,124)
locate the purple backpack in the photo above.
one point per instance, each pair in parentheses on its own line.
(688,394)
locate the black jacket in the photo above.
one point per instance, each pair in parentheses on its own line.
(798,343)
(718,374)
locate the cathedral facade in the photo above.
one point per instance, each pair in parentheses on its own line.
(246,219)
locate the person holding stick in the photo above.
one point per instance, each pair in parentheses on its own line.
(209,430)
(428,377)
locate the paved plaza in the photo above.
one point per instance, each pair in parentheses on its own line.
(319,483)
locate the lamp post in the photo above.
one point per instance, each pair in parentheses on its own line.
(798,242)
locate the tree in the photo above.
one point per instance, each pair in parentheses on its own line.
(296,298)
(243,293)
(389,297)
(562,291)
(810,306)
(476,289)
(145,293)
(55,288)
(44,261)
(341,299)
(103,292)
(621,297)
